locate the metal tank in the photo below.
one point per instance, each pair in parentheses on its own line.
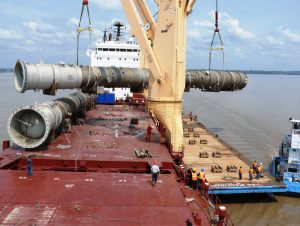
(50,77)
(30,126)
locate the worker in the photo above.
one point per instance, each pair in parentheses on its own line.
(136,103)
(254,166)
(259,170)
(194,178)
(155,171)
(196,117)
(116,128)
(130,102)
(29,166)
(201,179)
(149,133)
(191,116)
(240,173)
(251,173)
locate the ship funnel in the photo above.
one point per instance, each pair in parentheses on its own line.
(30,126)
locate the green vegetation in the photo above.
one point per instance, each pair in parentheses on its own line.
(272,72)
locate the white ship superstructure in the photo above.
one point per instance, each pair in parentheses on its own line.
(114,51)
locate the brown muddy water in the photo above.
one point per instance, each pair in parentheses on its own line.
(253,121)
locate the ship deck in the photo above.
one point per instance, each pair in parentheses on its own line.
(221,163)
(89,177)
(89,198)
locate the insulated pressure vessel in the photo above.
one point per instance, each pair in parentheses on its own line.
(50,77)
(30,126)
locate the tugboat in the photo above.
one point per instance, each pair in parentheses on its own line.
(286,166)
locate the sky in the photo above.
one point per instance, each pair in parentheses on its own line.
(257,34)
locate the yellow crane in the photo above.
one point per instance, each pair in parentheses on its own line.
(163,44)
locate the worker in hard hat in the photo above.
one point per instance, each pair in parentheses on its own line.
(259,170)
(149,133)
(194,178)
(254,165)
(251,173)
(201,179)
(240,173)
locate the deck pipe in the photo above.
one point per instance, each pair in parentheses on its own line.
(50,77)
(30,126)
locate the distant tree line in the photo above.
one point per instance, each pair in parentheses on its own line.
(5,70)
(272,72)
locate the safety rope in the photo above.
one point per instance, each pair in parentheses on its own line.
(217,30)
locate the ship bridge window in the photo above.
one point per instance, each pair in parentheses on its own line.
(112,50)
(99,49)
(292,170)
(129,50)
(105,49)
(123,50)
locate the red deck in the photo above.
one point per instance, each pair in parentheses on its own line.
(81,198)
(89,177)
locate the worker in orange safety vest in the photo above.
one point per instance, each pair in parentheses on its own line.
(259,170)
(201,179)
(194,178)
(254,165)
(241,173)
(251,173)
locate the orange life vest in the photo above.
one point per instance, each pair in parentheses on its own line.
(260,168)
(194,176)
(251,171)
(201,176)
(255,164)
(240,171)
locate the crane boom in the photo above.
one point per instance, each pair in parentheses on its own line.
(163,44)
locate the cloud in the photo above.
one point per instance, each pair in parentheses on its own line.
(29,42)
(39,26)
(295,37)
(9,35)
(274,41)
(112,4)
(55,41)
(203,23)
(205,28)
(232,25)
(73,21)
(194,33)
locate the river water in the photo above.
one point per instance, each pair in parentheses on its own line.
(253,121)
